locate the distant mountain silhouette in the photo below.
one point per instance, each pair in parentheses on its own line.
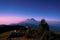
(30,22)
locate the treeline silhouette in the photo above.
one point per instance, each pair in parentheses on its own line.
(6,28)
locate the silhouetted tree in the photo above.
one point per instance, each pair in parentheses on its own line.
(43,26)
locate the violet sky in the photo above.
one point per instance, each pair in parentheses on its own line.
(13,11)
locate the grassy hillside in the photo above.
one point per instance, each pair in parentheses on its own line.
(4,36)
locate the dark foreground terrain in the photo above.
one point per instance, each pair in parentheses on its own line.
(30,34)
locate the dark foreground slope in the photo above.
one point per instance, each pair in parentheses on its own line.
(46,35)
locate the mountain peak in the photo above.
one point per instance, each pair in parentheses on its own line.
(32,19)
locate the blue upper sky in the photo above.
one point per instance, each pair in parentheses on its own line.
(49,9)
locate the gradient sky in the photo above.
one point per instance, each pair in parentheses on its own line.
(12,11)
